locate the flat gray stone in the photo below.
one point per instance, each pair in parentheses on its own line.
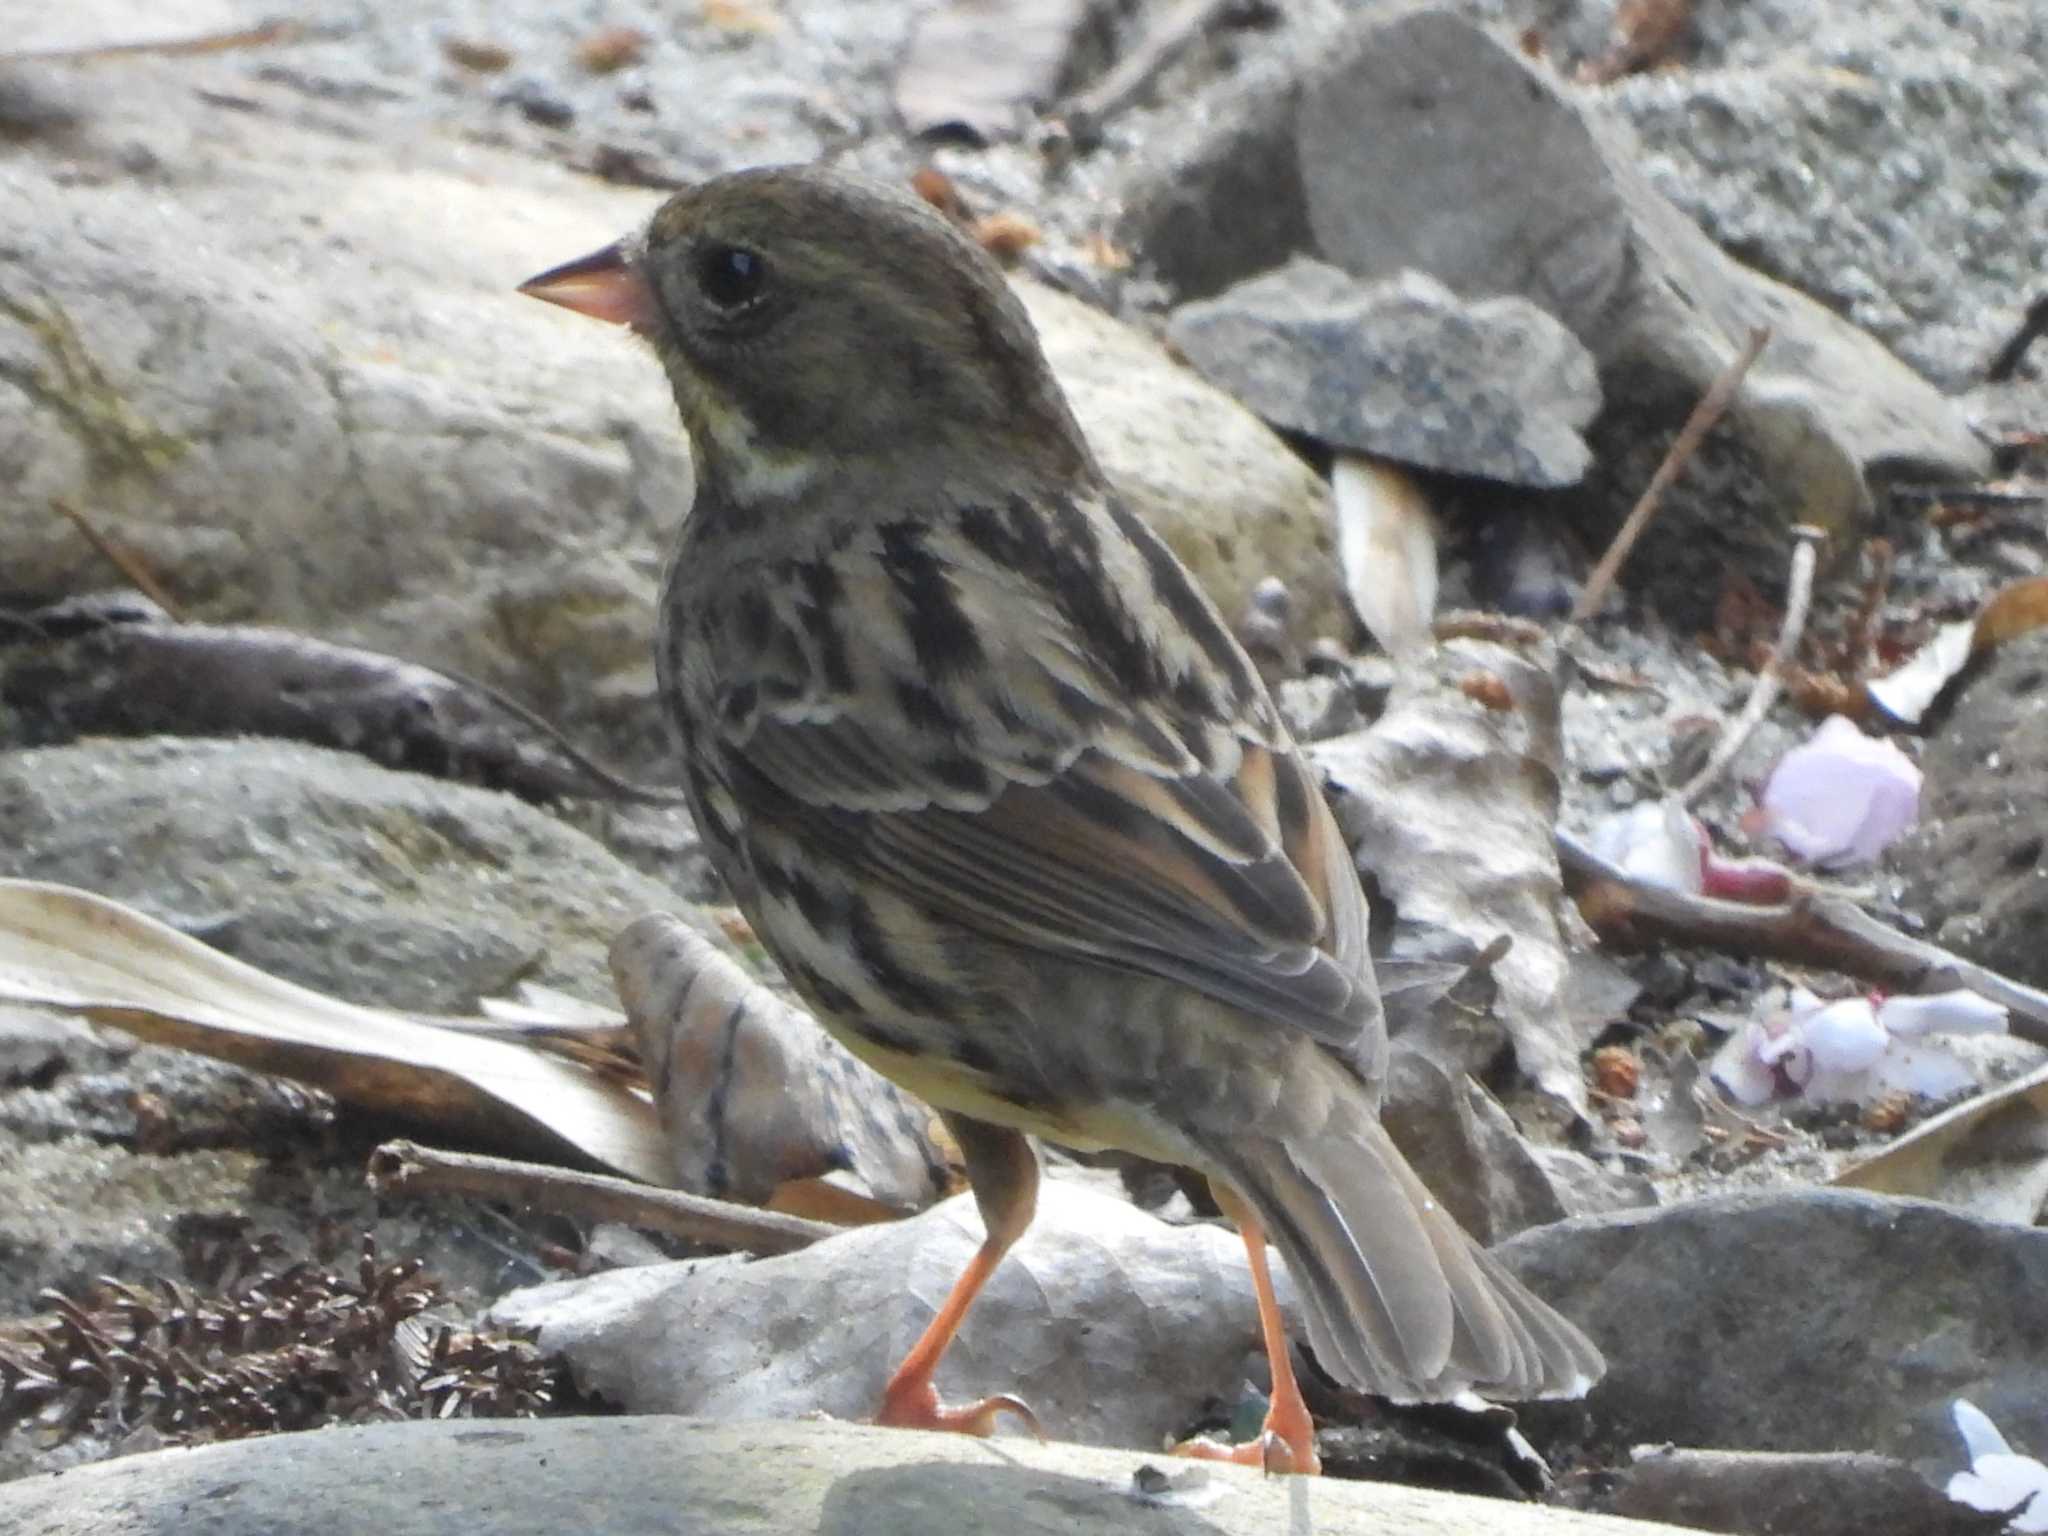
(320,867)
(1401,368)
(1800,1320)
(691,1477)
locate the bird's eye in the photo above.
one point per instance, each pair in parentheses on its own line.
(731,276)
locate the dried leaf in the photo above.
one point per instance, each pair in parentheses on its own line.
(1386,539)
(740,16)
(71,950)
(1988,1156)
(2016,609)
(753,1093)
(486,58)
(2013,610)
(610,49)
(1006,236)
(1451,811)
(1906,691)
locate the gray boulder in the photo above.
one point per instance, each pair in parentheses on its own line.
(1401,368)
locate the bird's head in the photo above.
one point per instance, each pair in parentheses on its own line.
(810,321)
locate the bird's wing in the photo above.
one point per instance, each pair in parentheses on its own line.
(1030,721)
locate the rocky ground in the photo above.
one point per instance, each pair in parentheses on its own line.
(257,329)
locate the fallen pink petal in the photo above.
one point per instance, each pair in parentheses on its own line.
(1843,797)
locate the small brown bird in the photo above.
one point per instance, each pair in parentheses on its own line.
(996,786)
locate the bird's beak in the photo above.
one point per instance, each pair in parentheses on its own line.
(605,285)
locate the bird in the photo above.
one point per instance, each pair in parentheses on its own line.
(998,789)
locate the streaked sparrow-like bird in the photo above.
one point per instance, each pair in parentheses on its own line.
(999,790)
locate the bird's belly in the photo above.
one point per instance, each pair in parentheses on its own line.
(949,1084)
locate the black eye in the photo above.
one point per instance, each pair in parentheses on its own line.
(731,276)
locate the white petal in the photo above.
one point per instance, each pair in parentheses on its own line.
(1844,1036)
(1960,1012)
(1980,1436)
(1841,796)
(1997,1483)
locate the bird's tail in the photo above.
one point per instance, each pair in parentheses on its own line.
(1400,1302)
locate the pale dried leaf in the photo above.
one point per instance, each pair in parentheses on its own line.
(2016,609)
(1113,1325)
(1988,1155)
(1905,692)
(1450,808)
(71,950)
(1386,542)
(753,1093)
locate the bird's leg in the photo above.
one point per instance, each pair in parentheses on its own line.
(1287,1443)
(1003,1171)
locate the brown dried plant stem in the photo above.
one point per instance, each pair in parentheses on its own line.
(406,1168)
(264,34)
(1798,600)
(121,559)
(1713,405)
(1814,927)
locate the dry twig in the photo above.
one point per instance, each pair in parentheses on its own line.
(1814,927)
(1799,598)
(1713,405)
(263,35)
(406,1168)
(121,558)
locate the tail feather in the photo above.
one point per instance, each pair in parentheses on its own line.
(1400,1302)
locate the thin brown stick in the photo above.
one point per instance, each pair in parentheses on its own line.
(1764,692)
(1713,405)
(263,35)
(124,560)
(1814,927)
(406,1168)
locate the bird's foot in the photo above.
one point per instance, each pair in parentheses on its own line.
(916,1405)
(1287,1443)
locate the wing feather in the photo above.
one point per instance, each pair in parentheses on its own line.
(1158,823)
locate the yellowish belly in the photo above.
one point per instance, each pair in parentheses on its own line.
(946,1084)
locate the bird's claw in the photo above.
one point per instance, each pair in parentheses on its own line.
(1271,1453)
(920,1408)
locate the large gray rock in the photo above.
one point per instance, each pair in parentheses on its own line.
(1890,158)
(1402,369)
(1115,1326)
(317,866)
(1801,1320)
(1395,138)
(288,369)
(1427,143)
(690,1477)
(1977,867)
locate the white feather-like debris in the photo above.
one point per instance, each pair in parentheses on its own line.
(2000,1481)
(1854,1049)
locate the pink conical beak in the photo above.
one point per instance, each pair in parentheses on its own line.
(606,285)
